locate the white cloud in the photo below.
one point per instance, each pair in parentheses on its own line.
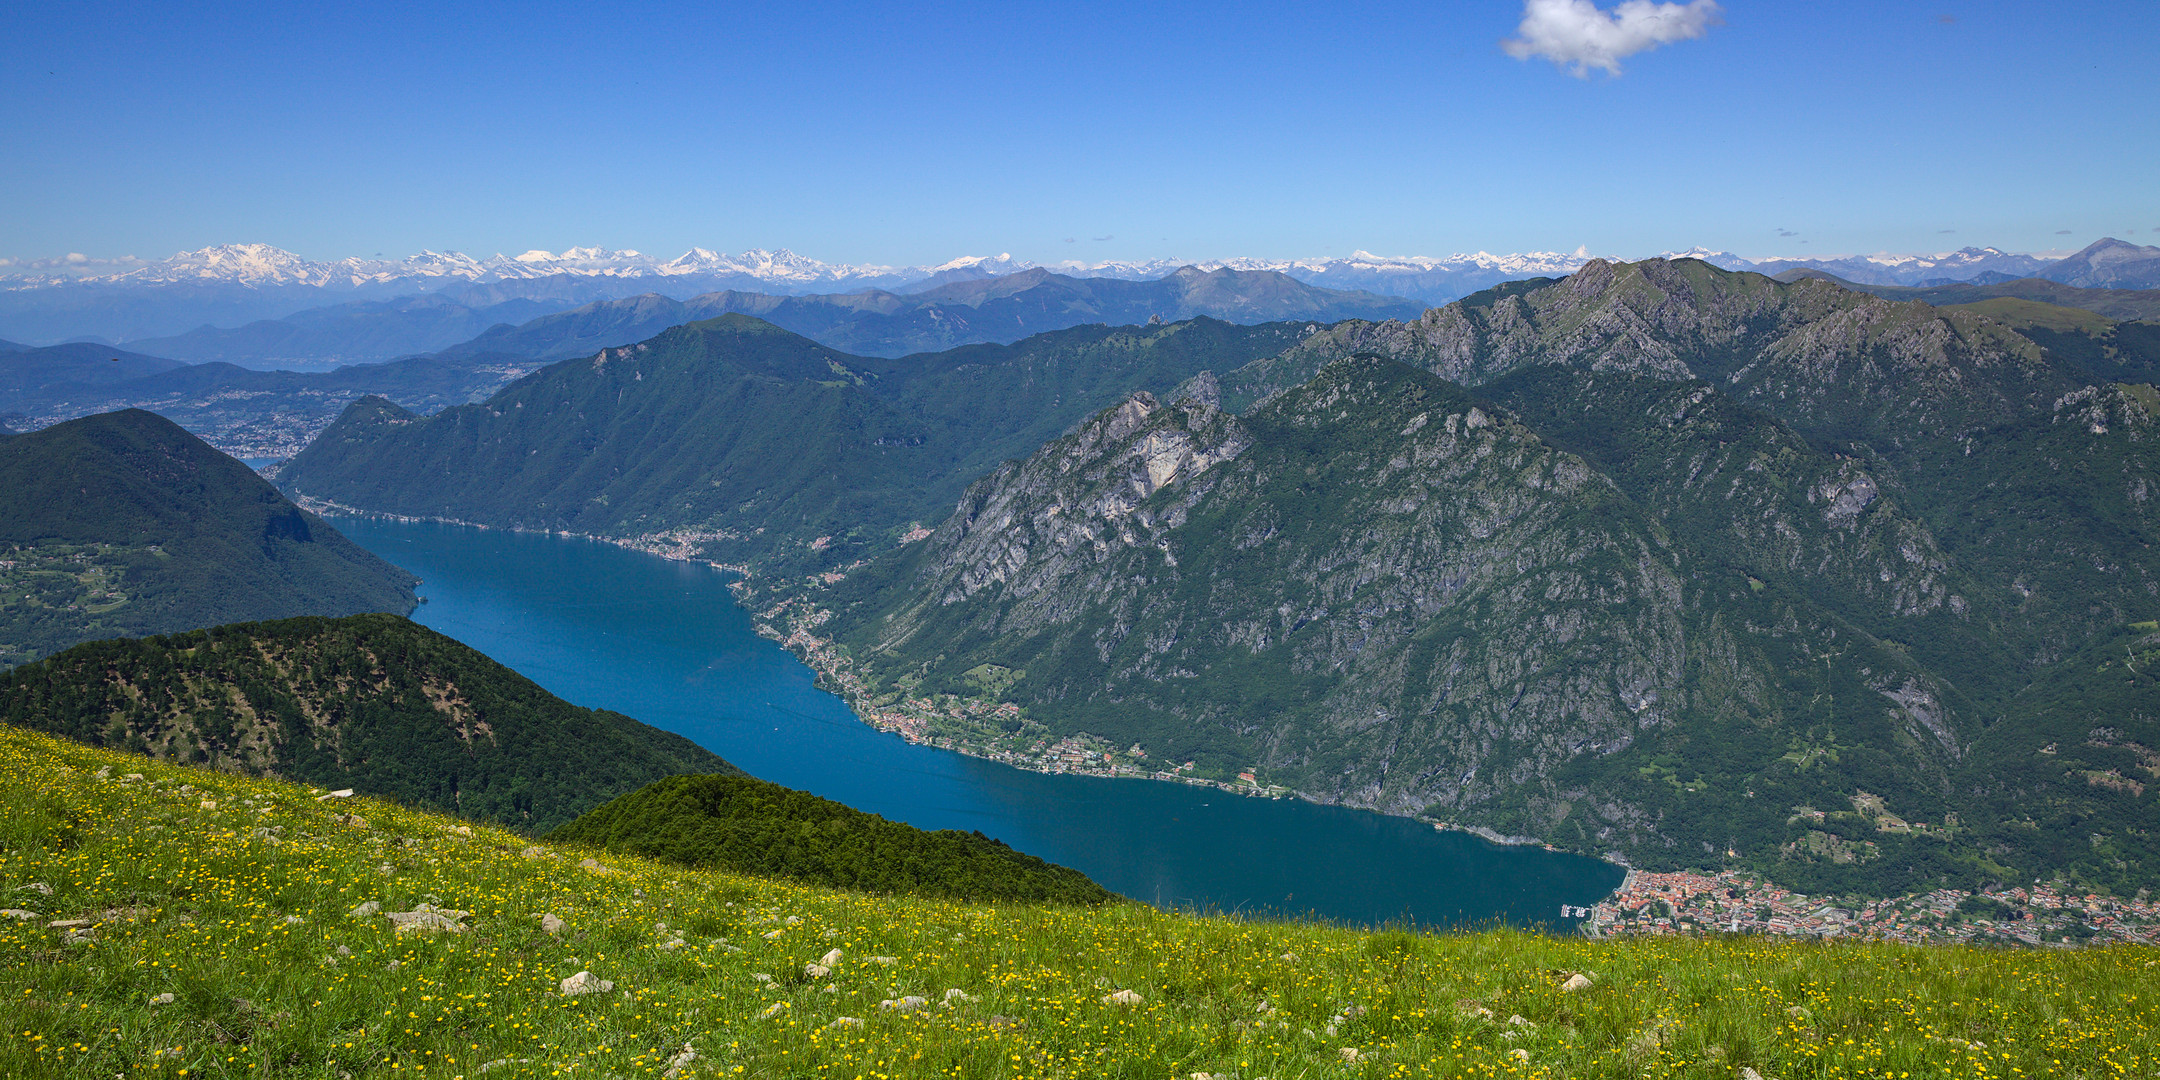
(1575,35)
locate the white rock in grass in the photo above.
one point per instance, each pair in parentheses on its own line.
(1350,1053)
(37,887)
(681,1063)
(884,961)
(18,913)
(846,1022)
(551,924)
(830,959)
(427,917)
(959,995)
(909,1003)
(585,982)
(773,935)
(341,793)
(162,999)
(773,1010)
(816,971)
(1123,997)
(1577,981)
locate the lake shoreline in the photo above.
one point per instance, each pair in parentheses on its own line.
(1695,902)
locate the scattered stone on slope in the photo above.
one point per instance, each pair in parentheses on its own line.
(427,917)
(585,982)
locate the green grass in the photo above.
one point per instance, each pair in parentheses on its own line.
(193,899)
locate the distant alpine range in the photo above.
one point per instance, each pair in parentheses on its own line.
(230,285)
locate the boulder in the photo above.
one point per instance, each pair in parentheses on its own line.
(551,924)
(427,917)
(1123,997)
(585,982)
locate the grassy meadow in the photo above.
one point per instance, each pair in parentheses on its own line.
(236,897)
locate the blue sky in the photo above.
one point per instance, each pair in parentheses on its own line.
(911,133)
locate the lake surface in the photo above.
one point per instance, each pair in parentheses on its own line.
(664,642)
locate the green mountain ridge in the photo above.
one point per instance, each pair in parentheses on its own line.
(371,702)
(123,524)
(757,445)
(750,826)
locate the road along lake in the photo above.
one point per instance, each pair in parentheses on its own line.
(664,642)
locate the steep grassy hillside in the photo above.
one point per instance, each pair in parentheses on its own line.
(751,826)
(123,524)
(370,702)
(230,927)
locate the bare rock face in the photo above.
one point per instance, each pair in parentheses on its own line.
(1080,499)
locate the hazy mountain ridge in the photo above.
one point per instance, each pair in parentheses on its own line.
(998,310)
(242,411)
(234,284)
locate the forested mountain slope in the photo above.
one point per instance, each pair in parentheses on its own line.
(1703,568)
(754,444)
(750,826)
(123,524)
(370,702)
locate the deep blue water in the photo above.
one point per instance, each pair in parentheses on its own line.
(664,642)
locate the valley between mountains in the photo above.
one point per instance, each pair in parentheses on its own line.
(1690,568)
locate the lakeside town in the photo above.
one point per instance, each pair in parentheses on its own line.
(2042,915)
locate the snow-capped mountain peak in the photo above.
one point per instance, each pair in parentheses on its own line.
(1428,278)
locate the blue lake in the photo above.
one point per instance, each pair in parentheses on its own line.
(664,642)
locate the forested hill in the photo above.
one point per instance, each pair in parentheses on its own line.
(749,826)
(757,445)
(375,703)
(123,524)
